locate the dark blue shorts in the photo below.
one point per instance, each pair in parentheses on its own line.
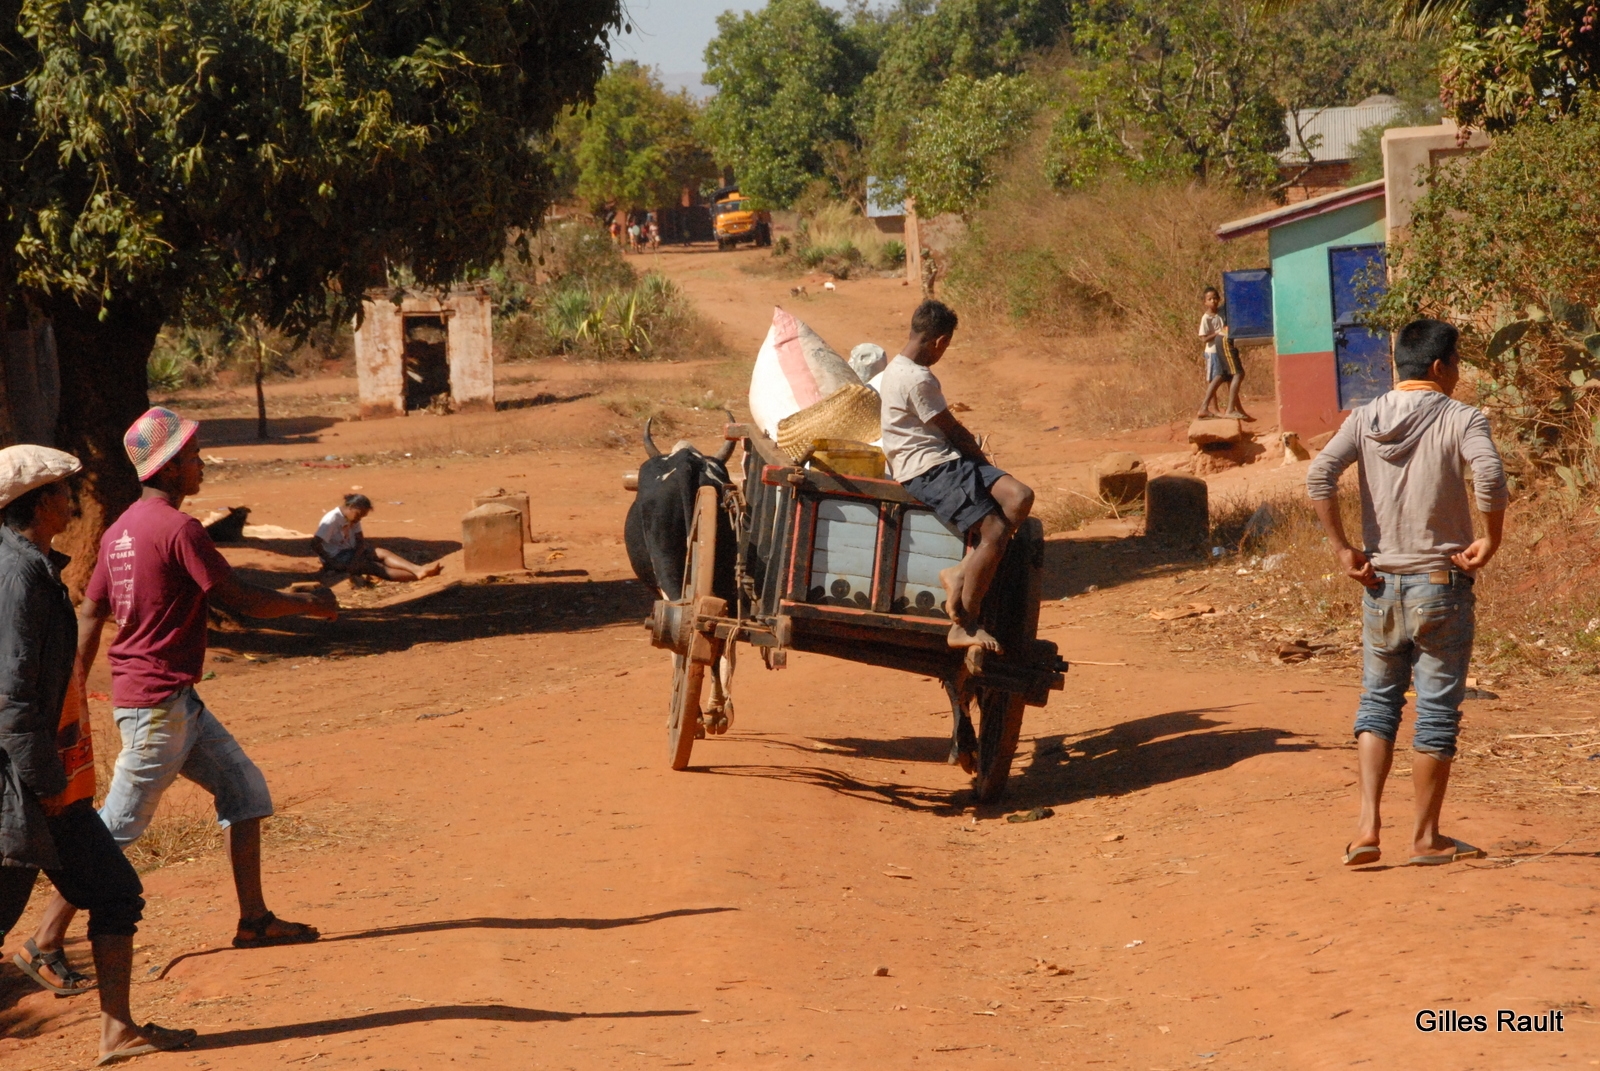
(958,491)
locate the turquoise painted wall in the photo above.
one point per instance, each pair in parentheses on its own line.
(1302,303)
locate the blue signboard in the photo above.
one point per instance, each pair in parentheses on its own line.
(1247,299)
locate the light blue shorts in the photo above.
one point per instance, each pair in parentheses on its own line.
(180,737)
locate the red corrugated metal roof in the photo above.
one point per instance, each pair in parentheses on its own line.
(1316,206)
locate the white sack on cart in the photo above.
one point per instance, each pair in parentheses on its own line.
(794,369)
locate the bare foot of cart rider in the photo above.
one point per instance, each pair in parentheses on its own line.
(939,461)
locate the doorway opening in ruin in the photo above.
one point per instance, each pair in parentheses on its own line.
(427,362)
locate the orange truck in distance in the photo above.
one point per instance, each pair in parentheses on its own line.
(735,222)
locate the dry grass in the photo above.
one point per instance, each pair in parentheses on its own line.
(1069,511)
(1538,603)
(185,824)
(1119,268)
(834,238)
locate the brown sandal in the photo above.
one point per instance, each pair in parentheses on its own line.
(253,933)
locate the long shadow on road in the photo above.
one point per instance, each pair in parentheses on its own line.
(1064,768)
(465,612)
(1071,565)
(487,922)
(486,1013)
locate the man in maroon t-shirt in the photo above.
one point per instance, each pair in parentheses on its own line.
(157,569)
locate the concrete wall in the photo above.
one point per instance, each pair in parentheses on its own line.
(1408,153)
(469,347)
(380,378)
(1302,311)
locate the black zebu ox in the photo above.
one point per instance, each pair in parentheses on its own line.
(657,536)
(657,528)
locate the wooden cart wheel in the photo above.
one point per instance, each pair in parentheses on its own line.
(688,676)
(1000,713)
(999,726)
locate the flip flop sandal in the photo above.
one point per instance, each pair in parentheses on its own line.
(1367,853)
(253,933)
(1462,850)
(75,981)
(163,1040)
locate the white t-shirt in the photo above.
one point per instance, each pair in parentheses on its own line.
(337,533)
(911,398)
(1210,325)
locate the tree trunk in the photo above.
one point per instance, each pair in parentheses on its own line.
(261,401)
(104,389)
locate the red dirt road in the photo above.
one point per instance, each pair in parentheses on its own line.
(521,882)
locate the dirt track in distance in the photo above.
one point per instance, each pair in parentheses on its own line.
(521,882)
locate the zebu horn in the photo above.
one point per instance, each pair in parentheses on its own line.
(649,443)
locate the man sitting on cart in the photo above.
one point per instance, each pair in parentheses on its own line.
(940,462)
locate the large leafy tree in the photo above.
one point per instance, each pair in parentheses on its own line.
(787,77)
(636,146)
(1173,87)
(261,159)
(957,144)
(1510,60)
(926,44)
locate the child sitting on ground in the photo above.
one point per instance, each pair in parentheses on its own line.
(939,461)
(343,547)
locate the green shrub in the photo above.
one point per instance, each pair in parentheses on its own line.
(634,321)
(166,370)
(1503,245)
(892,255)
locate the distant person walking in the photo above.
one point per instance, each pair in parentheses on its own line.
(655,236)
(1418,561)
(633,237)
(343,547)
(1221,358)
(616,232)
(156,573)
(47,816)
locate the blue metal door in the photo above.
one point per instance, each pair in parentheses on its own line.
(1357,274)
(1247,303)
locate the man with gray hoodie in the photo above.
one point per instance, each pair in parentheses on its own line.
(1419,555)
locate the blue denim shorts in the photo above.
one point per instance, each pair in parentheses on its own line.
(1416,633)
(179,737)
(958,491)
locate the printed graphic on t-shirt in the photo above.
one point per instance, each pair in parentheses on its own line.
(119,565)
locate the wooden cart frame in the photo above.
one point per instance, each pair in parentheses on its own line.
(764,594)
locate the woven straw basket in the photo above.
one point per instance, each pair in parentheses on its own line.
(852,412)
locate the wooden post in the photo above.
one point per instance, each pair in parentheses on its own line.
(913,244)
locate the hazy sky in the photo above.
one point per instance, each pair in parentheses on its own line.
(672,35)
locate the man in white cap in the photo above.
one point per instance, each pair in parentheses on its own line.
(156,572)
(47,816)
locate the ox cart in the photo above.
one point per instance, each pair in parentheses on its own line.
(847,566)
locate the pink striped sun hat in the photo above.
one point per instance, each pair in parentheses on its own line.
(155,439)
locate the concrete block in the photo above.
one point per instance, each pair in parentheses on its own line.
(1120,477)
(1176,508)
(491,540)
(517,500)
(1215,430)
